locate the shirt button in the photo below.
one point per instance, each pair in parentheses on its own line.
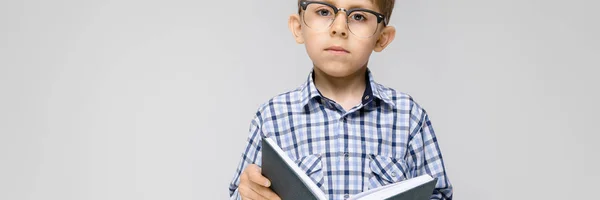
(393,174)
(346,155)
(346,196)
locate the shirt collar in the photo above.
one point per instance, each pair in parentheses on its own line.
(311,95)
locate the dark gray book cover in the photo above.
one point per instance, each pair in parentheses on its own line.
(284,180)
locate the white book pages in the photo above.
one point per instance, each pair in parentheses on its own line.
(392,189)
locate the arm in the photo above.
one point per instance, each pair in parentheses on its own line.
(425,154)
(251,155)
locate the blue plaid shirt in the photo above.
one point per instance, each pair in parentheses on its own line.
(385,139)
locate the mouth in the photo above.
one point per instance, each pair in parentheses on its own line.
(337,50)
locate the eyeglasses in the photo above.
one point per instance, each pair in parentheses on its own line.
(361,22)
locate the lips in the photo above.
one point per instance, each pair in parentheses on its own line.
(337,49)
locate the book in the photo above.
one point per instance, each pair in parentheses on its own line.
(290,182)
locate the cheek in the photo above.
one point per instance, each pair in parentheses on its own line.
(362,49)
(314,44)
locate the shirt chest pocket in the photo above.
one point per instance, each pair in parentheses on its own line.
(313,167)
(386,170)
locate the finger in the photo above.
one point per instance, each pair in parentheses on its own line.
(247,193)
(258,178)
(265,192)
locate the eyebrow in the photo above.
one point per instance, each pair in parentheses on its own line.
(353,5)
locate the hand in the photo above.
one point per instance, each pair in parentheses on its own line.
(254,186)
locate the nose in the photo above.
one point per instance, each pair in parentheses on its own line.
(339,26)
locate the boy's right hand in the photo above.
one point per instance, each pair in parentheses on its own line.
(254,186)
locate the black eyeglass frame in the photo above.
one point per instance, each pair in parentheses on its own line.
(380,17)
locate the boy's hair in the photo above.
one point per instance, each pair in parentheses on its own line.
(385,6)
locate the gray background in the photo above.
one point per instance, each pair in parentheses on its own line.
(148,99)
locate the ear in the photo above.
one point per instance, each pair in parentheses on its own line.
(385,38)
(296,28)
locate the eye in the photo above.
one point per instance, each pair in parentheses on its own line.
(358,17)
(323,12)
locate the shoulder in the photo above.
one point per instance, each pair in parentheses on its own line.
(277,104)
(407,106)
(401,100)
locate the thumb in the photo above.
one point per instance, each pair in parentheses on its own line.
(258,177)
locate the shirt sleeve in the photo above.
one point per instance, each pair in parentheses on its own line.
(425,155)
(250,155)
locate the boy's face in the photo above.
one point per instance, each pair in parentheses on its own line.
(339,45)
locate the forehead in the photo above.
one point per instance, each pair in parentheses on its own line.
(348,4)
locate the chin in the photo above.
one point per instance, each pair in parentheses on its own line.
(337,70)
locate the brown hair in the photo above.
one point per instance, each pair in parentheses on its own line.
(385,7)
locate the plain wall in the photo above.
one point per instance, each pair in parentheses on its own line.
(150,99)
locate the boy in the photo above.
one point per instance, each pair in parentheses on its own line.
(349,133)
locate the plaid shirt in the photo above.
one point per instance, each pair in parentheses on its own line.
(385,139)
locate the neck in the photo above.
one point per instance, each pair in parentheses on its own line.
(346,91)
